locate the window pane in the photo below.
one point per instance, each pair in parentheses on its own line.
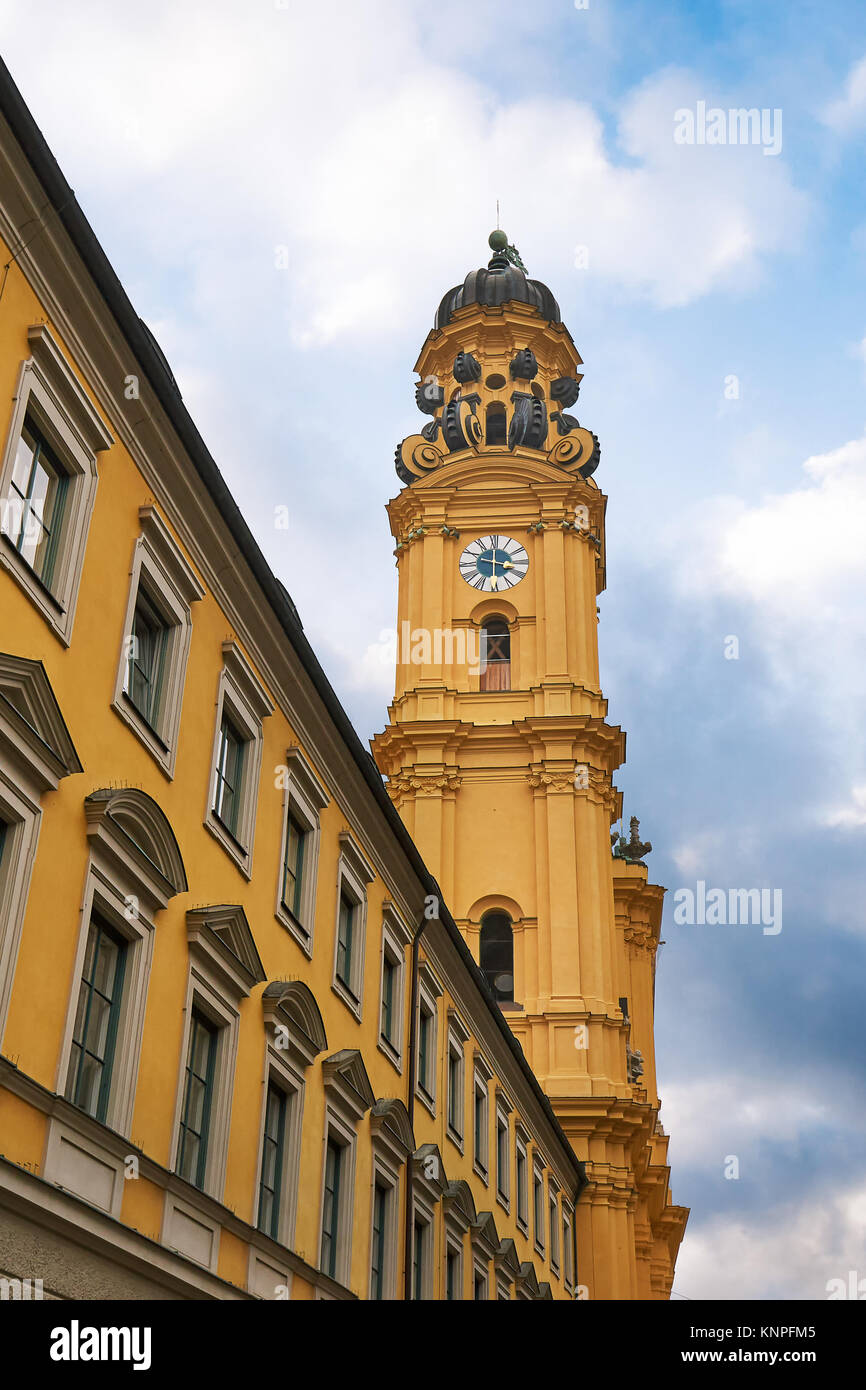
(97,1016)
(198,1095)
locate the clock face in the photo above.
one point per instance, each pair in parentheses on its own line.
(494,563)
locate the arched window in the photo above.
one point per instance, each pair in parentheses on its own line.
(496,432)
(497,954)
(495,655)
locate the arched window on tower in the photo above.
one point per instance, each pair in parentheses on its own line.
(497,954)
(496,432)
(495,655)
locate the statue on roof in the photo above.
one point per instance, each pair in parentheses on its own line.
(631,850)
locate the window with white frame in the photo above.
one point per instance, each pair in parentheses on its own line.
(353,875)
(395,938)
(348,1096)
(392,1143)
(242,705)
(36,752)
(123,891)
(479,1283)
(428,1186)
(503,1150)
(521,1144)
(295,1035)
(48,479)
(157,631)
(453,1271)
(553,1210)
(429,993)
(568,1245)
(224,966)
(304,799)
(481,1116)
(538,1212)
(458,1036)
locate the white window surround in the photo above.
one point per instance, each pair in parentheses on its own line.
(280,1072)
(482,1075)
(159,565)
(133,872)
(506,1264)
(454,1246)
(428,1187)
(241,695)
(353,875)
(348,1097)
(458,1037)
(503,1179)
(392,1142)
(51,394)
(429,993)
(480,1275)
(538,1225)
(555,1232)
(567,1244)
(306,797)
(396,937)
(224,965)
(36,752)
(521,1149)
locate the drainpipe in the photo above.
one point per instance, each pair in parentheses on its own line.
(410,1108)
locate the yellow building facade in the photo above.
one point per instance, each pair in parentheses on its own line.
(499,755)
(244,1050)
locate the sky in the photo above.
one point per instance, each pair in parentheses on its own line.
(287,190)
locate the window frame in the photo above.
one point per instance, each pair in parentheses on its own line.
(522,1190)
(503,1153)
(395,939)
(50,394)
(305,798)
(353,875)
(481,1079)
(161,573)
(539,1223)
(429,994)
(345,1137)
(457,1037)
(243,700)
(555,1228)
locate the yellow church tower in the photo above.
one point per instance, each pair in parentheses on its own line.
(499,756)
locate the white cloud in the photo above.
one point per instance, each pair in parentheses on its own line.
(851,815)
(848,112)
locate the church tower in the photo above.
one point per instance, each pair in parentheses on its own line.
(499,756)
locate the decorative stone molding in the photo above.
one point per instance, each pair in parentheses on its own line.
(424,783)
(291,1005)
(222,935)
(133,833)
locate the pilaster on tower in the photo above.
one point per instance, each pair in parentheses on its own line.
(498,752)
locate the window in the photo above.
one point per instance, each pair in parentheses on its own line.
(378,1243)
(496,956)
(148,693)
(331,1232)
(479,1285)
(36,752)
(421,1257)
(293,863)
(496,428)
(197,1099)
(48,479)
(568,1246)
(522,1182)
(538,1207)
(453,1274)
(36,501)
(242,705)
(305,798)
(429,991)
(395,939)
(273,1161)
(353,875)
(480,1122)
(495,655)
(553,1209)
(345,934)
(455,1089)
(426,1056)
(503,1184)
(228,786)
(96,1020)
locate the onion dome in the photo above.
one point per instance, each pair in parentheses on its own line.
(505,278)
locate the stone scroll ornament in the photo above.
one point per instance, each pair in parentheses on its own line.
(578,451)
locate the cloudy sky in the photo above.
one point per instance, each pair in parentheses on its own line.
(287,189)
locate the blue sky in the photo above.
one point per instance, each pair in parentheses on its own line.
(365,146)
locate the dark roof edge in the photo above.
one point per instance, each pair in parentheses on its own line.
(141,342)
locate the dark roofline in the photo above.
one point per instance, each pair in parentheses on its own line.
(143,346)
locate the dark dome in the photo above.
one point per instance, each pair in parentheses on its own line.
(497,284)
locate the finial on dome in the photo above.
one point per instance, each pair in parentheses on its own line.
(503,254)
